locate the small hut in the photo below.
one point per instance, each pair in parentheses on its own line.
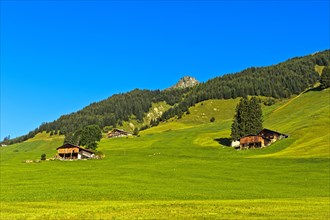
(71,152)
(118,133)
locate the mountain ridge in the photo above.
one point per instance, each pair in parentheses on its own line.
(281,80)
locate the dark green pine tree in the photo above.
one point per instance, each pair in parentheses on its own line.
(72,138)
(325,78)
(243,128)
(69,138)
(234,130)
(90,135)
(255,120)
(238,128)
(247,119)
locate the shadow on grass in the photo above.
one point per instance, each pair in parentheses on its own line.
(224,141)
(316,89)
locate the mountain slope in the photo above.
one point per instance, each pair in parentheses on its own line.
(307,121)
(304,118)
(279,81)
(181,165)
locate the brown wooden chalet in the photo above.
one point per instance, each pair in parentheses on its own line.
(264,138)
(251,141)
(271,136)
(70,151)
(118,133)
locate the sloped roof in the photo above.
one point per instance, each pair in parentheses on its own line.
(268,130)
(68,145)
(118,130)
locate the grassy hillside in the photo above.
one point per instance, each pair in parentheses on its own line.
(181,169)
(307,121)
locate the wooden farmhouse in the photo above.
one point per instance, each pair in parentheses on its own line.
(264,138)
(70,151)
(118,133)
(251,141)
(271,136)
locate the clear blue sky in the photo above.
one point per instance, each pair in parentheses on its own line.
(59,56)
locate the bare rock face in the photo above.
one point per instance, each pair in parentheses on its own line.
(185,82)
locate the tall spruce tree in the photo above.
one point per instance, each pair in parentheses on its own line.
(325,78)
(73,138)
(234,130)
(248,118)
(254,119)
(90,135)
(243,117)
(238,128)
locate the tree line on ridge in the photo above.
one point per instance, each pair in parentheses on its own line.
(278,81)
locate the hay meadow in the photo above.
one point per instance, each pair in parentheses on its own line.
(182,169)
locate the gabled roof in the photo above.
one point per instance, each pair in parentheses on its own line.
(268,130)
(116,129)
(67,145)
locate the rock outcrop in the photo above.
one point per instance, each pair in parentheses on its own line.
(185,82)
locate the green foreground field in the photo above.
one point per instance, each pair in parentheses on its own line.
(181,169)
(311,208)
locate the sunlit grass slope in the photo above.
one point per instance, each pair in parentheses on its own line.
(305,118)
(221,110)
(307,121)
(181,169)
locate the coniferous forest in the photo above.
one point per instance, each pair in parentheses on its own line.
(278,81)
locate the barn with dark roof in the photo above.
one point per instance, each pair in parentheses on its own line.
(71,152)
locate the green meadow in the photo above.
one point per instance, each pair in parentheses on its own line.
(181,169)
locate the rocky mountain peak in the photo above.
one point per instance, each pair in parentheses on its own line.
(184,82)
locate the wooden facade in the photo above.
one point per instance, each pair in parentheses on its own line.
(72,152)
(118,133)
(251,141)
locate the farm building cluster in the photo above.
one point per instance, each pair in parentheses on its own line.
(73,152)
(264,138)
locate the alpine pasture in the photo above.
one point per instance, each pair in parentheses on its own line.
(181,169)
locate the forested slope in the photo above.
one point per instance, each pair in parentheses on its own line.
(278,81)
